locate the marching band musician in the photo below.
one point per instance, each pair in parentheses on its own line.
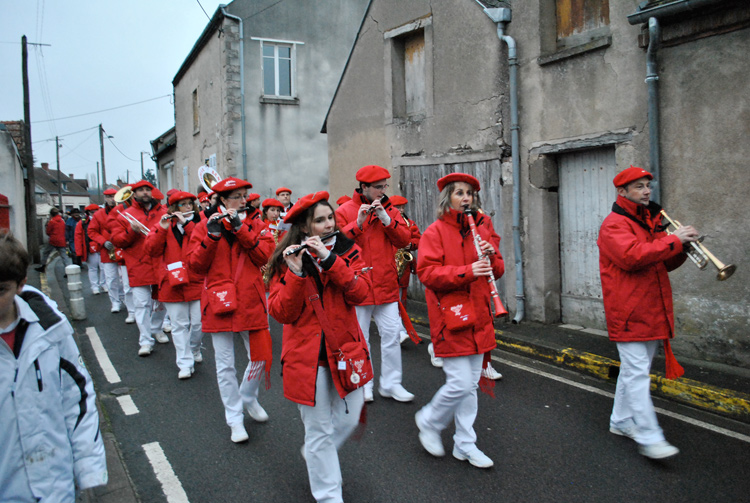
(379,231)
(142,269)
(326,273)
(635,257)
(461,326)
(284,196)
(99,232)
(179,290)
(88,250)
(272,209)
(400,203)
(230,248)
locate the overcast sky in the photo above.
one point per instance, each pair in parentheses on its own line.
(103,54)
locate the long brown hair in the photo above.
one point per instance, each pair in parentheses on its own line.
(294,236)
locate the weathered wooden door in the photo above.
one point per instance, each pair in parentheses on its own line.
(586,197)
(419,186)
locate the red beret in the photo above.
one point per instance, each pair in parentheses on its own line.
(92,207)
(110,192)
(398,200)
(341,200)
(231,183)
(179,195)
(252,197)
(272,202)
(156,194)
(302,204)
(203,198)
(142,183)
(283,189)
(171,191)
(631,174)
(370,174)
(458,177)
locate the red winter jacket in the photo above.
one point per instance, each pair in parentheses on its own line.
(56,231)
(219,259)
(378,244)
(446,253)
(411,268)
(289,304)
(634,259)
(143,269)
(84,244)
(167,248)
(99,231)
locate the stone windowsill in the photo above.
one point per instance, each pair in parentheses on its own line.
(591,45)
(279,101)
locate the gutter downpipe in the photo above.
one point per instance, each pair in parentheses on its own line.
(652,82)
(502,16)
(242,89)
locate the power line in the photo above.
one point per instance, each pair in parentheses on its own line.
(68,134)
(105,110)
(204,10)
(120,151)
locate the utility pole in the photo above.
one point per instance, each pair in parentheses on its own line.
(30,182)
(59,184)
(101,148)
(98,180)
(143,176)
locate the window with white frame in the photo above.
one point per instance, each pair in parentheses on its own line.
(279,68)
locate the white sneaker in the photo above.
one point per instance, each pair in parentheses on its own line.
(130,319)
(185,374)
(491,373)
(239,433)
(105,289)
(198,356)
(145,350)
(257,412)
(404,337)
(368,395)
(95,291)
(476,458)
(430,439)
(623,432)
(161,337)
(167,329)
(398,393)
(115,309)
(435,360)
(659,450)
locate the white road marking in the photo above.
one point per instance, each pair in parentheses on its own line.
(592,389)
(164,474)
(101,355)
(128,405)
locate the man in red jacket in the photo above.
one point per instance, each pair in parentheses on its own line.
(379,230)
(635,256)
(88,250)
(99,232)
(143,270)
(56,231)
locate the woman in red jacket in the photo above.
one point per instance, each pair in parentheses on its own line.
(88,250)
(229,249)
(179,290)
(458,303)
(315,331)
(55,229)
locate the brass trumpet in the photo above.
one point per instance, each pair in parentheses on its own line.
(134,221)
(700,255)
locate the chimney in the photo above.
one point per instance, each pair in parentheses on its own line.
(72,176)
(45,166)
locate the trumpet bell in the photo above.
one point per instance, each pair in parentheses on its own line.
(123,194)
(726,271)
(208,177)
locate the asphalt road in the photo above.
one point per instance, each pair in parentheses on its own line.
(546,430)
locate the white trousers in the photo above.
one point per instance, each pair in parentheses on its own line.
(234,395)
(186,330)
(149,314)
(327,426)
(96,272)
(633,406)
(388,322)
(114,284)
(457,400)
(127,291)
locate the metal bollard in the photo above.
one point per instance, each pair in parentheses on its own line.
(75,287)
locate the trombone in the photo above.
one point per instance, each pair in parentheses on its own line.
(700,255)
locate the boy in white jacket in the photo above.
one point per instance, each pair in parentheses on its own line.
(51,441)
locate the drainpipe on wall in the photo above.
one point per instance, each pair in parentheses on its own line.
(652,81)
(502,16)
(242,88)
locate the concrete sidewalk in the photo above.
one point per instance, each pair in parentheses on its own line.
(713,387)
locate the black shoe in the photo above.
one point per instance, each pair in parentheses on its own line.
(40,268)
(65,276)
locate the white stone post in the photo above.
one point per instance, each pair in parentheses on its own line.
(75,287)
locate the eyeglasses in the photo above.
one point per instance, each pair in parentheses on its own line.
(380,187)
(235,197)
(186,204)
